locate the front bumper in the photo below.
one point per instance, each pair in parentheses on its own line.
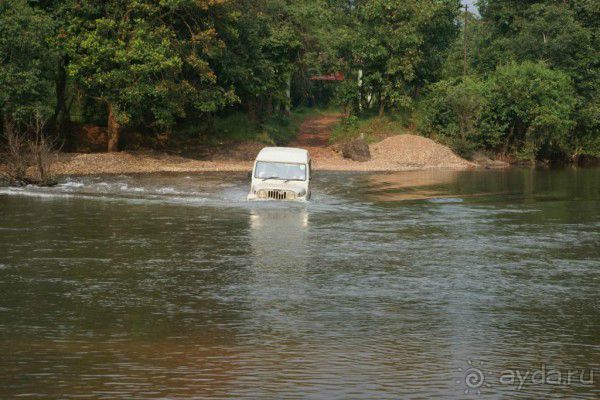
(276,194)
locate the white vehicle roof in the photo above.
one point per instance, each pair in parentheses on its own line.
(283,154)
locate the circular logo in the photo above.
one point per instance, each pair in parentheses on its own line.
(473,378)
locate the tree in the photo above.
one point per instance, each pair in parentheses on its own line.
(453,107)
(261,50)
(550,33)
(396,45)
(439,31)
(533,105)
(587,137)
(390,48)
(26,62)
(136,57)
(452,111)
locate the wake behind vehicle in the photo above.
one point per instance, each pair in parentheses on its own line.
(281,173)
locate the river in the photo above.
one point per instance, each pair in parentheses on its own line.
(435,284)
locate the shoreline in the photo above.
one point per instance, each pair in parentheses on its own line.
(142,162)
(85,164)
(398,153)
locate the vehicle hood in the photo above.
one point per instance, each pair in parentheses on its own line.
(299,187)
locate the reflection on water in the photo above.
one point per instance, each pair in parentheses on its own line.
(384,286)
(278,236)
(413,185)
(280,255)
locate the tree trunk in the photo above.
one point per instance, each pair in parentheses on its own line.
(381,106)
(508,139)
(269,106)
(114,130)
(288,95)
(465,65)
(360,85)
(5,123)
(461,125)
(61,114)
(251,107)
(210,122)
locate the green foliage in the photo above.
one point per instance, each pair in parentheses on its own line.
(348,128)
(586,140)
(348,95)
(550,32)
(439,32)
(135,57)
(541,30)
(260,48)
(533,84)
(280,129)
(562,37)
(371,128)
(524,108)
(397,46)
(452,113)
(236,127)
(26,62)
(453,108)
(535,103)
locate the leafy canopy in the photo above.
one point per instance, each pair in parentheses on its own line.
(147,59)
(26,60)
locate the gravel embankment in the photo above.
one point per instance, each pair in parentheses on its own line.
(396,153)
(138,162)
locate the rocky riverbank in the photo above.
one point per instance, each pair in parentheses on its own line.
(396,153)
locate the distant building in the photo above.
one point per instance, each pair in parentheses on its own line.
(335,77)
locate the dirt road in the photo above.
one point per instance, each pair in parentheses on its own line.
(315,132)
(314,135)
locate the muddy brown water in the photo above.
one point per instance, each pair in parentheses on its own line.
(404,285)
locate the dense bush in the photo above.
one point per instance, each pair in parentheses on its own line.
(531,108)
(453,109)
(521,108)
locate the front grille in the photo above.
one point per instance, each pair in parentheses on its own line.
(277,194)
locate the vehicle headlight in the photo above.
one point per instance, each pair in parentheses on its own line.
(262,194)
(292,195)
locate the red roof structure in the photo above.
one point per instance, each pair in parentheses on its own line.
(335,77)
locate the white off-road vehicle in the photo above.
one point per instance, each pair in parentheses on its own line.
(281,173)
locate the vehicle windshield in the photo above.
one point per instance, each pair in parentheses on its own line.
(276,170)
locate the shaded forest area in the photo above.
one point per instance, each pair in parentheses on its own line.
(522,78)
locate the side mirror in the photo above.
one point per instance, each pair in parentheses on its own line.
(250,174)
